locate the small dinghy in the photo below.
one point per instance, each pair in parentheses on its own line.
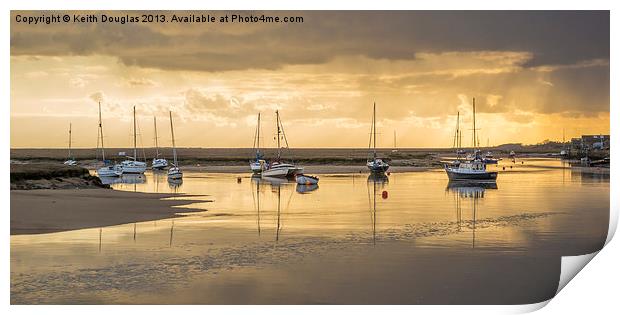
(302,179)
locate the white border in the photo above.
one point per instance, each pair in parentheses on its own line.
(598,286)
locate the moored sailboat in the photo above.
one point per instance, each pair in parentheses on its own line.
(132,165)
(174,172)
(258,164)
(277,168)
(70,160)
(108,170)
(473,168)
(375,165)
(158,163)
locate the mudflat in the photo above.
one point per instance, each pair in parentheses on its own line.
(47,210)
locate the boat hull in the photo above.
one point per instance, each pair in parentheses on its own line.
(382,168)
(175,173)
(282,171)
(471,176)
(256,167)
(377,166)
(159,164)
(133,167)
(109,171)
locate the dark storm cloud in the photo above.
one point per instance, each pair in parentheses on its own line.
(560,37)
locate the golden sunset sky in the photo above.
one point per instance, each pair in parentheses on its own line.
(533,74)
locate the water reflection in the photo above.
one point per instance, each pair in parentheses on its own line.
(175,184)
(125,181)
(379,178)
(304,189)
(412,223)
(468,190)
(277,185)
(377,181)
(272,181)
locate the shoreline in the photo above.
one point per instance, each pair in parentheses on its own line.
(57,210)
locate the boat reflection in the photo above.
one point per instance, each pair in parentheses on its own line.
(272,181)
(379,178)
(468,190)
(304,189)
(377,181)
(125,179)
(277,185)
(175,183)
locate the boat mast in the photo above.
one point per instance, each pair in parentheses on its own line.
(156,144)
(101,133)
(69,141)
(174,147)
(457,141)
(374,129)
(474,139)
(258,136)
(278,128)
(135,150)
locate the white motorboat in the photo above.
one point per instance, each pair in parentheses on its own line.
(158,163)
(132,165)
(474,170)
(174,172)
(375,164)
(303,179)
(107,170)
(278,168)
(70,161)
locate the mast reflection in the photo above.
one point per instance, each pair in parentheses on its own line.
(468,190)
(378,181)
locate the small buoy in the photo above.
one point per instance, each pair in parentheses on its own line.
(238,179)
(521,162)
(388,173)
(503,168)
(510,166)
(384,194)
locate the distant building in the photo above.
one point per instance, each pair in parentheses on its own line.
(595,142)
(589,143)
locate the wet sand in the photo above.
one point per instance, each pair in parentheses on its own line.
(46,211)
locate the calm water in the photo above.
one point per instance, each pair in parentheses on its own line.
(350,239)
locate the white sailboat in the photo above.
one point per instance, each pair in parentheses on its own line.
(375,165)
(132,165)
(70,160)
(107,170)
(258,164)
(473,168)
(158,163)
(174,172)
(277,168)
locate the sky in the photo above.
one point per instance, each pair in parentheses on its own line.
(535,75)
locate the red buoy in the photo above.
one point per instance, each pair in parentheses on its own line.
(384,195)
